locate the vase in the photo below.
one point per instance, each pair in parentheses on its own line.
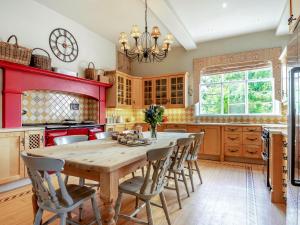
(153,131)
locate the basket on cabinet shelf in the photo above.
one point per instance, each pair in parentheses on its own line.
(40,61)
(14,53)
(91,72)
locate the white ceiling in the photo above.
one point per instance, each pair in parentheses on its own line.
(190,21)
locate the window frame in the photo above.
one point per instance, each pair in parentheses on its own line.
(246,82)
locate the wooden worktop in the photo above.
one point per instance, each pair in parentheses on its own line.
(104,155)
(20,129)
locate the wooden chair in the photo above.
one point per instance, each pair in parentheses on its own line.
(71,139)
(177,166)
(103,135)
(192,157)
(60,201)
(176,130)
(144,189)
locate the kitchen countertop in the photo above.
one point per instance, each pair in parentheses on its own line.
(4,130)
(213,124)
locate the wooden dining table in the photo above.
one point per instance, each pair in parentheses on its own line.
(104,161)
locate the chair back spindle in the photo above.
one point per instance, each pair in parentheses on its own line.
(43,187)
(198,141)
(179,157)
(159,160)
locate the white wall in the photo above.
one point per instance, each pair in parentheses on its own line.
(33,23)
(180,60)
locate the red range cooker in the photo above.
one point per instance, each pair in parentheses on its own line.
(53,131)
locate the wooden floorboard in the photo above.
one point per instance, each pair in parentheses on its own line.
(232,194)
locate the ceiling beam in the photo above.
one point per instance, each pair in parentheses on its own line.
(283,27)
(171,21)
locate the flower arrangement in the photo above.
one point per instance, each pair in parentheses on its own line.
(154,116)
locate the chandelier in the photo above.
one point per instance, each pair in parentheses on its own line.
(146,47)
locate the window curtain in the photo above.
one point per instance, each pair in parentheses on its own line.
(255,59)
(231,68)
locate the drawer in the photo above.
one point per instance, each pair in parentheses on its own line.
(251,138)
(252,151)
(233,138)
(233,128)
(233,150)
(252,129)
(194,129)
(175,126)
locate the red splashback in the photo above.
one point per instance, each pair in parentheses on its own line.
(18,79)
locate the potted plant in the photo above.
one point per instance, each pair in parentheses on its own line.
(154,116)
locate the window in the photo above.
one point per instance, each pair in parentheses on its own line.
(244,92)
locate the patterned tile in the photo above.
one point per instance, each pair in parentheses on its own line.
(53,107)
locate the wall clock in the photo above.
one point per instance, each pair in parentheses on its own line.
(63,45)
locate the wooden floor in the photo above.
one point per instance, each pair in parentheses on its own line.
(232,194)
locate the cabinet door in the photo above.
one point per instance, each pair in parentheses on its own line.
(161,91)
(196,129)
(11,164)
(212,145)
(34,139)
(177,92)
(137,101)
(148,92)
(128,92)
(121,90)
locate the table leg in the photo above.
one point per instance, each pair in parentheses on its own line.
(108,194)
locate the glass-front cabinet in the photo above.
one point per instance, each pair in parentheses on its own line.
(177,91)
(128,99)
(138,92)
(121,90)
(167,90)
(148,92)
(161,91)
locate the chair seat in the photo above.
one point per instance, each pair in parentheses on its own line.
(79,194)
(133,187)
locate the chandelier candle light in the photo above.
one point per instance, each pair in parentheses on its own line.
(144,50)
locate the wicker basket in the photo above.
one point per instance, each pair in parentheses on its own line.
(40,61)
(14,53)
(91,73)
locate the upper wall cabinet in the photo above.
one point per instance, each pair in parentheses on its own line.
(139,92)
(294,14)
(125,92)
(167,90)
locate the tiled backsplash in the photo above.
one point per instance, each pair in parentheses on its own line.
(53,107)
(187,115)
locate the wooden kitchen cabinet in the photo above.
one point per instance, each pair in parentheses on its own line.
(243,142)
(34,139)
(120,94)
(168,90)
(212,139)
(137,89)
(161,91)
(178,89)
(294,14)
(11,164)
(148,92)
